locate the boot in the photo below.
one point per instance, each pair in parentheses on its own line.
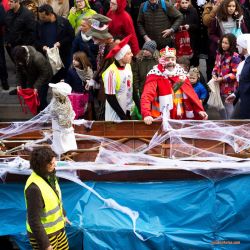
(5,85)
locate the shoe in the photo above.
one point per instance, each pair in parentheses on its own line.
(13,92)
(5,85)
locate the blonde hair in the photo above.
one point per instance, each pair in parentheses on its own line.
(194,71)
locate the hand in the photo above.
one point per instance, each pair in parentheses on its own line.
(49,248)
(90,83)
(148,120)
(230,99)
(45,48)
(219,79)
(166,33)
(186,26)
(35,91)
(203,115)
(18,88)
(73,10)
(57,44)
(214,77)
(68,221)
(146,38)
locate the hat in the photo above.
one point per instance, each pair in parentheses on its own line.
(150,46)
(195,72)
(120,50)
(61,87)
(243,41)
(100,22)
(99,27)
(168,52)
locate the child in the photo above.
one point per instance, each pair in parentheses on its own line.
(224,71)
(79,73)
(77,77)
(194,78)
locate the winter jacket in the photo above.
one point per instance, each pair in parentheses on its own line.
(76,18)
(122,25)
(226,67)
(74,80)
(65,36)
(37,72)
(244,90)
(20,27)
(152,22)
(88,47)
(209,14)
(200,90)
(140,69)
(190,17)
(2,20)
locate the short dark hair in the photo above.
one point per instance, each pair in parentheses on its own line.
(46,8)
(19,54)
(40,158)
(232,42)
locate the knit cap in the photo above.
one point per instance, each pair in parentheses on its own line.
(150,46)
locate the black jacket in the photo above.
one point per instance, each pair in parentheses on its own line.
(244,90)
(37,72)
(2,19)
(190,17)
(65,35)
(88,47)
(20,27)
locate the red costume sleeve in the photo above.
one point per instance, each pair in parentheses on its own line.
(148,95)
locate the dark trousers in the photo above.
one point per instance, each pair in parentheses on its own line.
(3,68)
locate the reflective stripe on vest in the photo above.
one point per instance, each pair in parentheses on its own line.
(114,68)
(155,108)
(52,217)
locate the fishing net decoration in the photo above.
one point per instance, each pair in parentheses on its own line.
(115,156)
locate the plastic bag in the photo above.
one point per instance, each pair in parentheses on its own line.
(54,59)
(182,42)
(79,102)
(28,98)
(214,99)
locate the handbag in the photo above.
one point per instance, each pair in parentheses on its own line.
(79,102)
(214,99)
(54,59)
(182,43)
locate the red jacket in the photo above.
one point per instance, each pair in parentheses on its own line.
(122,25)
(157,85)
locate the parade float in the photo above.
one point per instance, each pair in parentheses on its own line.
(171,185)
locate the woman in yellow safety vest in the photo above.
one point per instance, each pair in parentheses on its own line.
(45,215)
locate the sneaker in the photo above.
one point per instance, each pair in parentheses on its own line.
(13,92)
(5,85)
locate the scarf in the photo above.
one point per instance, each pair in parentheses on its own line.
(85,38)
(84,74)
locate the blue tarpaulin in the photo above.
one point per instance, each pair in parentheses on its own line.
(185,214)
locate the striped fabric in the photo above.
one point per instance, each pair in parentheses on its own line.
(58,242)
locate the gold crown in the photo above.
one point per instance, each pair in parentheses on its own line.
(168,52)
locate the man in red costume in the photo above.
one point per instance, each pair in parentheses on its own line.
(168,91)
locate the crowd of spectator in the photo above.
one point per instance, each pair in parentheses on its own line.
(84,31)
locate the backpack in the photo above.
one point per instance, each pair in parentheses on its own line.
(163,5)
